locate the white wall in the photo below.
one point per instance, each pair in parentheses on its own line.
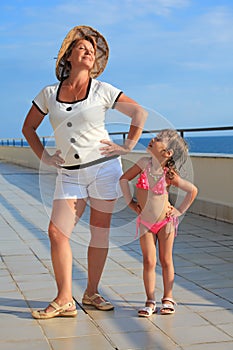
(212,174)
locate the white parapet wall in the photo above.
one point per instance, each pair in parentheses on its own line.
(212,174)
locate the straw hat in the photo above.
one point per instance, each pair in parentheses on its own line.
(102,50)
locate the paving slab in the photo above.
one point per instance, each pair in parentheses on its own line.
(203,258)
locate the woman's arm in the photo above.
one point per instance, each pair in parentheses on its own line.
(31,123)
(191,193)
(138,117)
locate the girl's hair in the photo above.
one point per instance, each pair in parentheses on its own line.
(178,145)
(66,64)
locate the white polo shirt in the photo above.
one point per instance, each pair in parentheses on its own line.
(80,125)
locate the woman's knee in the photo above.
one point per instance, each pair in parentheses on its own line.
(99,237)
(55,235)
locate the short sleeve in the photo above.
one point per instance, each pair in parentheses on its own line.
(40,101)
(110,94)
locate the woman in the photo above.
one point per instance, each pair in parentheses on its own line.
(87,160)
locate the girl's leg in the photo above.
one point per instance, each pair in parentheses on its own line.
(65,215)
(100,220)
(166,241)
(148,246)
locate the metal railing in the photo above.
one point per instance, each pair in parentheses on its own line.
(49,140)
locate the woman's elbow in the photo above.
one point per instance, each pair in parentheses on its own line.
(194,192)
(25,129)
(143,114)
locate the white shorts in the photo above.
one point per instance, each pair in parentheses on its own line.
(100,181)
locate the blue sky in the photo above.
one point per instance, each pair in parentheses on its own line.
(172,56)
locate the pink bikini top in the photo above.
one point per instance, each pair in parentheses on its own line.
(161,185)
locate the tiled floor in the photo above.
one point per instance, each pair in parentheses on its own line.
(203,256)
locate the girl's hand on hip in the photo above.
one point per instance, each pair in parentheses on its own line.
(173,212)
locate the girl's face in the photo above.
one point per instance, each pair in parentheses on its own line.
(158,147)
(83,54)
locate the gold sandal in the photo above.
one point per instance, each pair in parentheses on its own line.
(62,311)
(104,305)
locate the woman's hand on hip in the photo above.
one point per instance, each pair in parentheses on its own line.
(53,159)
(112,149)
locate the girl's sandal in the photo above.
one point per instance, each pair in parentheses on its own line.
(104,305)
(62,311)
(167,309)
(147,311)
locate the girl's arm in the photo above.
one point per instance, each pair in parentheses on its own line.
(33,119)
(130,174)
(191,193)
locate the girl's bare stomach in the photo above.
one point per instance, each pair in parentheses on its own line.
(154,207)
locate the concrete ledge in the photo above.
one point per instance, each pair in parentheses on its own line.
(212,175)
(23,156)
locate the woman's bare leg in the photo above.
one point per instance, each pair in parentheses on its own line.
(100,220)
(65,214)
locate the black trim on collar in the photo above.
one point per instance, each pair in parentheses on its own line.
(88,90)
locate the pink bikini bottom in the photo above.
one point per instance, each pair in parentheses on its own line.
(158,225)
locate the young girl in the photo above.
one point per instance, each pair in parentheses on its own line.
(157,218)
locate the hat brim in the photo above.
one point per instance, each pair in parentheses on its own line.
(102,50)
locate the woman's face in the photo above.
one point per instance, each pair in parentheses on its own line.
(82,55)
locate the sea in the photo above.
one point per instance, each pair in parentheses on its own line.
(197,144)
(202,144)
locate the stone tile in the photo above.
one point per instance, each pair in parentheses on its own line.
(46,292)
(69,327)
(203,284)
(34,277)
(143,341)
(210,346)
(128,288)
(126,325)
(178,320)
(122,311)
(219,317)
(226,293)
(88,343)
(227,328)
(7,284)
(197,335)
(29,287)
(20,332)
(25,345)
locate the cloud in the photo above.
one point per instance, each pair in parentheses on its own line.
(213,26)
(110,12)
